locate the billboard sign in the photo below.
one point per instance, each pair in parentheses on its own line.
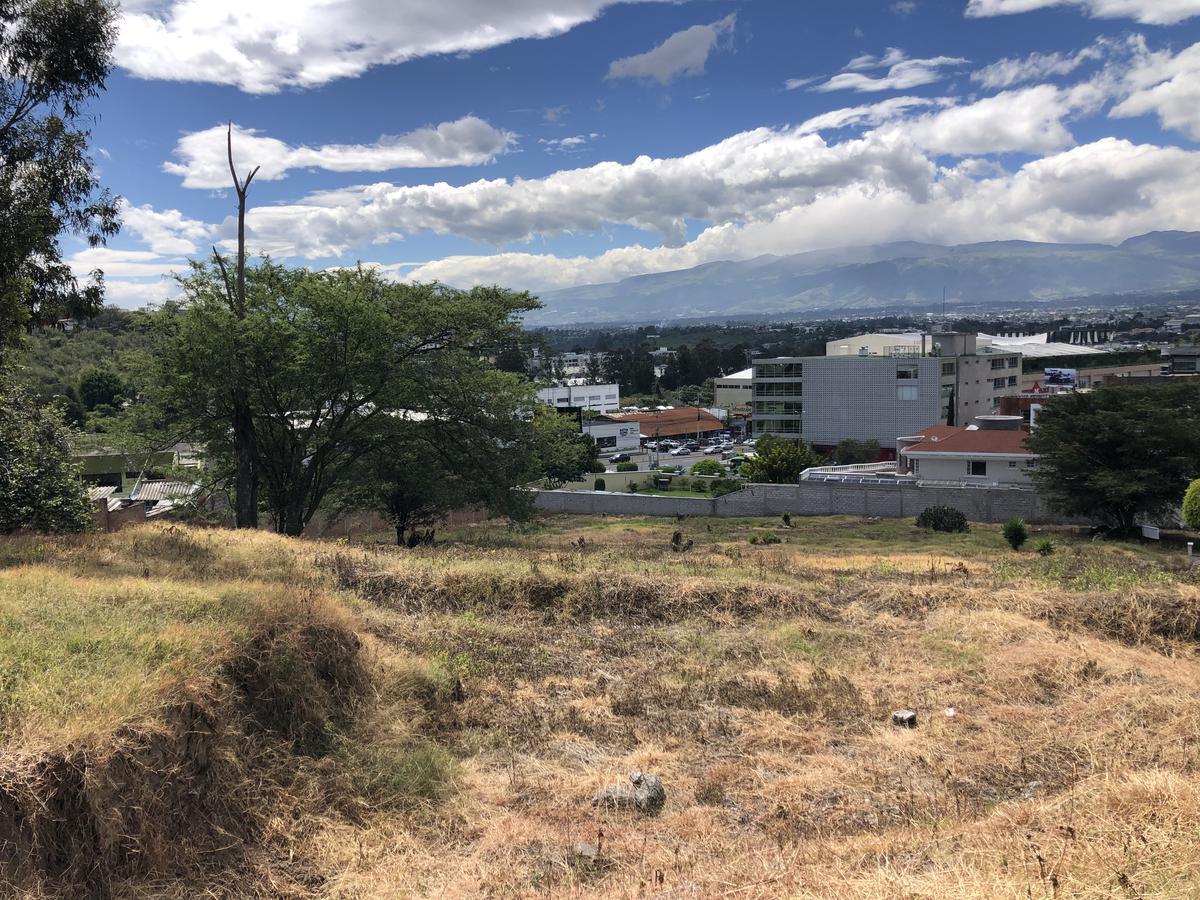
(1060,378)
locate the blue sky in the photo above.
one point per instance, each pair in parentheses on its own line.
(547,143)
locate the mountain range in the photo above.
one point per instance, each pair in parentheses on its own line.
(886,278)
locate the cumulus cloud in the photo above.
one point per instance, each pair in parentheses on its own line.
(267,45)
(1149,12)
(168,232)
(902,73)
(683,53)
(751,174)
(1104,191)
(904,7)
(1165,85)
(202,161)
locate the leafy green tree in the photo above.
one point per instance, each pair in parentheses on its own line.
(54,57)
(708,467)
(332,359)
(851,452)
(778,461)
(1191,505)
(101,387)
(562,454)
(1119,453)
(40,488)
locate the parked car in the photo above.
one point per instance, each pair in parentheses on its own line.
(667,444)
(751,442)
(715,448)
(650,445)
(692,446)
(680,451)
(619,457)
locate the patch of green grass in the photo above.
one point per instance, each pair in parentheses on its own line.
(813,642)
(80,656)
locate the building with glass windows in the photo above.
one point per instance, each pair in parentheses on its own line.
(826,399)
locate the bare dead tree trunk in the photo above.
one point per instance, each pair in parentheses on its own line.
(245,440)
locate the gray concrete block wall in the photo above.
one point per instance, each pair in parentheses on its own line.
(815,499)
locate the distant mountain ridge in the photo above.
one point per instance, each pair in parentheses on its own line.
(886,277)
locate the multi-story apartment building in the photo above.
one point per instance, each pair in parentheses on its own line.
(825,399)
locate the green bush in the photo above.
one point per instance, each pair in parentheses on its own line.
(768,538)
(1191,505)
(1015,532)
(943,518)
(627,467)
(599,485)
(1045,547)
(681,484)
(633,487)
(723,486)
(708,467)
(597,467)
(787,520)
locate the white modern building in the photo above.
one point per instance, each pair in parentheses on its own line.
(601,398)
(870,396)
(613,436)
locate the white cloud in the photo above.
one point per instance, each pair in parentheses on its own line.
(871,114)
(1166,85)
(683,53)
(902,74)
(1037,66)
(1104,191)
(168,233)
(904,7)
(1149,12)
(132,278)
(573,144)
(203,163)
(752,174)
(266,45)
(1028,121)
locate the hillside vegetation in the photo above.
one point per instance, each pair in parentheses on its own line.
(206,713)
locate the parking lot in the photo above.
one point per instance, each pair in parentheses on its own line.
(646,458)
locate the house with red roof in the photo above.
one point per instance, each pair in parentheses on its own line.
(990,452)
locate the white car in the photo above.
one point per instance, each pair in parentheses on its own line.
(715,448)
(680,451)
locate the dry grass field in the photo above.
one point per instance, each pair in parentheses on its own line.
(193,713)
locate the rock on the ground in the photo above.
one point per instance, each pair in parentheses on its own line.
(904,718)
(645,793)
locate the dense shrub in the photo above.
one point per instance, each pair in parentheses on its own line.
(599,485)
(597,467)
(681,484)
(633,487)
(1045,547)
(1015,532)
(943,518)
(787,520)
(708,467)
(768,538)
(1191,505)
(723,486)
(627,467)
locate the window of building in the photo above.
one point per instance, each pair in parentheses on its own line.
(1030,463)
(907,371)
(998,383)
(1012,380)
(777,426)
(778,408)
(997,364)
(1012,463)
(977,467)
(908,392)
(779,370)
(1012,362)
(779,389)
(947,368)
(916,467)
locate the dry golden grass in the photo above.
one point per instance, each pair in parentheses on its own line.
(514,673)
